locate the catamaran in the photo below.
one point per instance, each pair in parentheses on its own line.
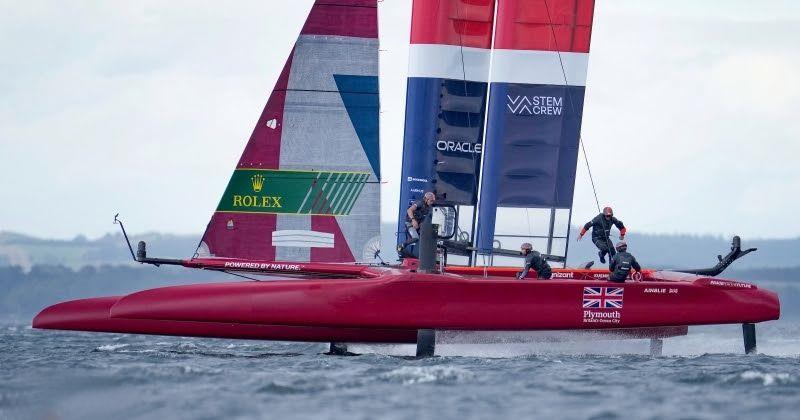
(493,117)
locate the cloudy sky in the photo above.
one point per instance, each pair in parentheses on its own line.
(143,108)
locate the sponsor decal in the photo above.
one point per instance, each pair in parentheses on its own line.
(417,190)
(412,179)
(734,284)
(272,123)
(660,290)
(601,276)
(602,317)
(262,266)
(567,275)
(297,192)
(602,297)
(250,201)
(459,146)
(258,182)
(535,105)
(602,304)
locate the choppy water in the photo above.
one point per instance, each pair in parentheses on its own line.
(55,375)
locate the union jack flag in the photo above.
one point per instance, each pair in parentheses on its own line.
(602,297)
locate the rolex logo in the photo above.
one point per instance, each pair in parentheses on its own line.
(258,182)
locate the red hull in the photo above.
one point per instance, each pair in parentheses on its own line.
(389,305)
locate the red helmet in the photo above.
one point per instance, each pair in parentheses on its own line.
(526,246)
(607,211)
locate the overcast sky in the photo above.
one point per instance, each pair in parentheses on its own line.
(144,107)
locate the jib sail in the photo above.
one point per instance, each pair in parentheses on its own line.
(306,187)
(539,65)
(445,101)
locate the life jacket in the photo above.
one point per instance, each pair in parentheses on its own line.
(601,228)
(421,212)
(538,264)
(623,264)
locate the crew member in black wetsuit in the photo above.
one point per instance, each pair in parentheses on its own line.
(622,263)
(601,232)
(535,261)
(415,214)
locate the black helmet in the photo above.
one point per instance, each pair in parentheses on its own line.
(622,246)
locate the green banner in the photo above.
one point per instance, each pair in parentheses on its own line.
(292,192)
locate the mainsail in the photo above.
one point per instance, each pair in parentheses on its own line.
(306,187)
(539,65)
(445,101)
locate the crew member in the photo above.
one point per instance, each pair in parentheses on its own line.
(622,263)
(601,232)
(415,214)
(533,260)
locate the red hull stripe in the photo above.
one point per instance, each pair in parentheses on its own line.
(343,18)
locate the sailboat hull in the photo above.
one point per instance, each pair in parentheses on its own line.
(94,315)
(392,306)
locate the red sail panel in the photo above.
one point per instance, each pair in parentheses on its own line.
(264,146)
(328,18)
(465,23)
(526,25)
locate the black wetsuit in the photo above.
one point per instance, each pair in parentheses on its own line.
(535,261)
(620,266)
(412,235)
(421,212)
(601,233)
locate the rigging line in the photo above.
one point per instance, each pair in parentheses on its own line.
(572,103)
(475,166)
(528,219)
(609,244)
(240,275)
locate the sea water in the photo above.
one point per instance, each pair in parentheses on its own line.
(74,375)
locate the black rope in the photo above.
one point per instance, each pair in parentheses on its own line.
(240,275)
(609,244)
(571,103)
(466,90)
(481,133)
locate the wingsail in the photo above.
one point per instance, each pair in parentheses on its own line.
(446,101)
(306,187)
(539,66)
